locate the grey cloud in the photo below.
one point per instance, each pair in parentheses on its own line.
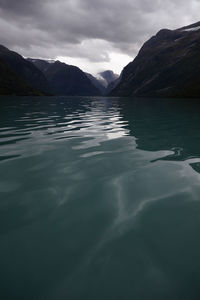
(89,29)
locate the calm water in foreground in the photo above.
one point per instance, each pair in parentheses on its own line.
(99,199)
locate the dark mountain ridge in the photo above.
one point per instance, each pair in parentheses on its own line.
(47,77)
(22,76)
(168,65)
(66,79)
(25,70)
(69,80)
(12,84)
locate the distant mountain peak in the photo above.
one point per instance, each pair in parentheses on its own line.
(107,77)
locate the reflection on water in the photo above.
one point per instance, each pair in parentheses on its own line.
(30,129)
(99,198)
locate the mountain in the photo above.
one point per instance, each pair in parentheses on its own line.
(108,77)
(12,84)
(41,64)
(25,69)
(106,82)
(66,79)
(47,76)
(69,80)
(112,85)
(168,65)
(97,83)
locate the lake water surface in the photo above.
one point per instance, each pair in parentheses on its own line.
(99,199)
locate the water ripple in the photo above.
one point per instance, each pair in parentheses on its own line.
(43,128)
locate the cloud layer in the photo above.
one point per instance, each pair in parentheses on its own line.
(88,29)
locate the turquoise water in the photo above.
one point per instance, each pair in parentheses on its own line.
(99,199)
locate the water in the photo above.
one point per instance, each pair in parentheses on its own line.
(99,199)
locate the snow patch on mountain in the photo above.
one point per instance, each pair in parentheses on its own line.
(192,29)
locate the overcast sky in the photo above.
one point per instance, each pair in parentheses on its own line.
(92,34)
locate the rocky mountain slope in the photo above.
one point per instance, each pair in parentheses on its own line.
(41,64)
(97,83)
(168,65)
(25,70)
(66,79)
(12,84)
(69,80)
